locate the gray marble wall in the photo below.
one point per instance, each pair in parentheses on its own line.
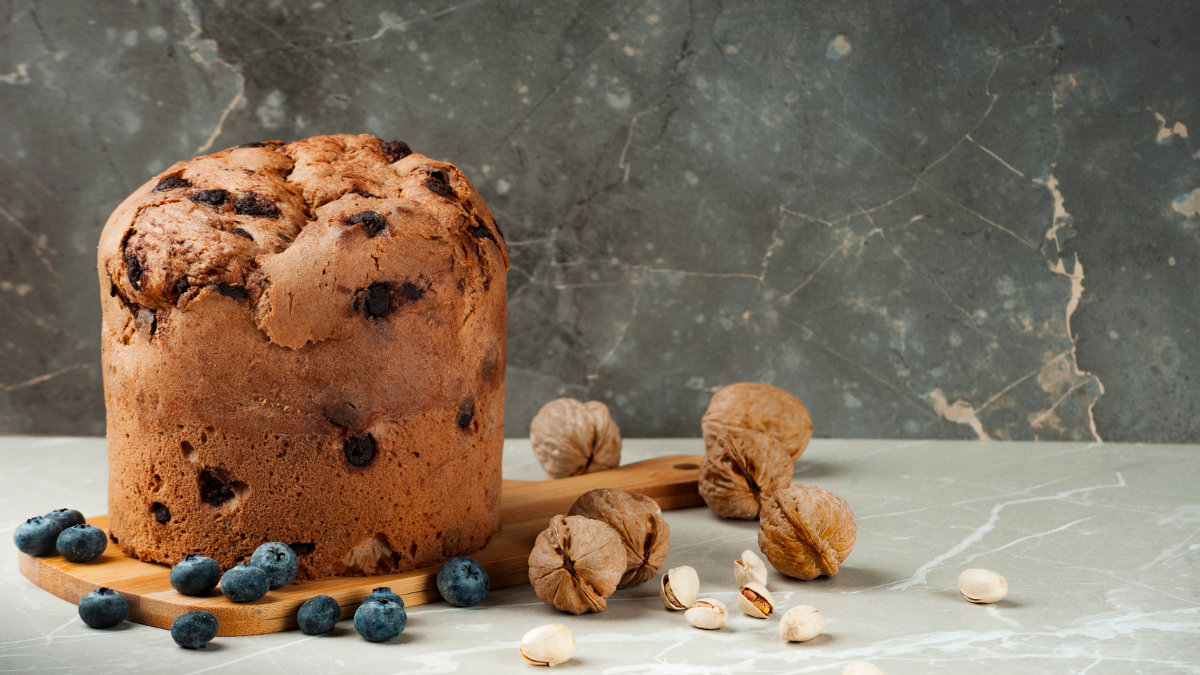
(927,219)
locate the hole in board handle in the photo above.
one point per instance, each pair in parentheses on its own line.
(686,467)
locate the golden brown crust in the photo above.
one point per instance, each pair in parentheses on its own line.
(331,305)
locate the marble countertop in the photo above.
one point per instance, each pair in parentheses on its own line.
(1100,545)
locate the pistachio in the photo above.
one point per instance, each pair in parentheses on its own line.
(707,613)
(755,600)
(801,623)
(749,568)
(548,645)
(861,668)
(679,587)
(982,586)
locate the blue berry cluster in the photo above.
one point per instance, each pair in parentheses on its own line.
(63,530)
(462,581)
(272,566)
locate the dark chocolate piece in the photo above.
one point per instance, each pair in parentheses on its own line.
(372,222)
(213,198)
(360,450)
(466,412)
(396,150)
(171,183)
(254,204)
(161,513)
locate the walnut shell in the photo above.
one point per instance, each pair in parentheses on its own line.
(741,471)
(576,563)
(805,531)
(639,523)
(571,438)
(759,407)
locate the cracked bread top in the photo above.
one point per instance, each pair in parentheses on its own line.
(284,226)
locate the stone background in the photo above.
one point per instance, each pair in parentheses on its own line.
(926,219)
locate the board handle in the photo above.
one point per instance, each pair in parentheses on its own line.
(671,481)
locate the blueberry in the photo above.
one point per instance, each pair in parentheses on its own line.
(463,582)
(278,561)
(65,517)
(195,575)
(37,536)
(82,543)
(103,608)
(194,629)
(244,583)
(384,592)
(318,615)
(380,620)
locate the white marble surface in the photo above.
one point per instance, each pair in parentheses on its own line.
(1100,545)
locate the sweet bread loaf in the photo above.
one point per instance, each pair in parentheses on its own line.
(305,343)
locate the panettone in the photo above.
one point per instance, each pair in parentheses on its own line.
(305,343)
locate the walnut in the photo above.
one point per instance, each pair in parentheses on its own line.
(571,438)
(759,407)
(741,471)
(639,523)
(805,531)
(576,563)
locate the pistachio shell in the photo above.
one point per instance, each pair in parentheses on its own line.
(982,586)
(548,645)
(707,613)
(861,668)
(756,601)
(749,568)
(679,587)
(801,623)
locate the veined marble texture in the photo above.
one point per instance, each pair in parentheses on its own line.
(926,219)
(1100,545)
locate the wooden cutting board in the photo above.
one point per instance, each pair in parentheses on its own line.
(525,510)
